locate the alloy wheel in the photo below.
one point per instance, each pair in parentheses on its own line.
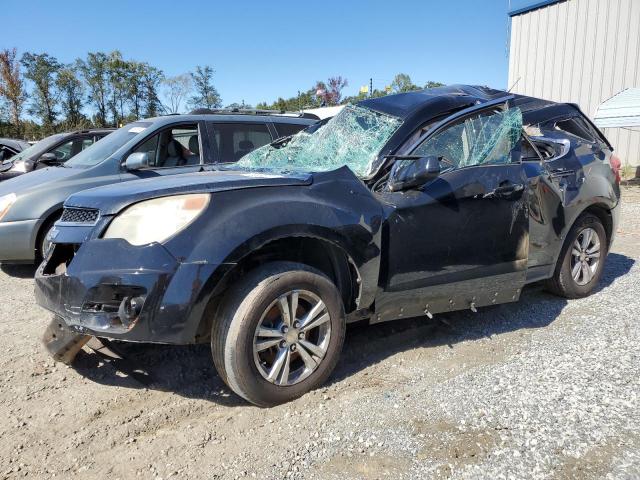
(585,256)
(292,337)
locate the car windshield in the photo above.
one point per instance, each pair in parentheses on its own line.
(37,148)
(105,147)
(353,138)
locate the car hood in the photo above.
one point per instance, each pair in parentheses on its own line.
(111,199)
(35,179)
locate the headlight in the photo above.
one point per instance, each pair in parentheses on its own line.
(5,203)
(158,219)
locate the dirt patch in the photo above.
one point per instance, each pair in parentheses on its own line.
(451,447)
(364,467)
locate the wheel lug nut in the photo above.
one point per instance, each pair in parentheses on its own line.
(283,344)
(301,336)
(285,329)
(296,324)
(293,348)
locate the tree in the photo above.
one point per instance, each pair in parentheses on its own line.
(71,91)
(119,75)
(402,83)
(334,89)
(431,84)
(151,79)
(42,70)
(205,94)
(11,86)
(95,71)
(175,90)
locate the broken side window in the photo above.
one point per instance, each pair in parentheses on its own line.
(354,137)
(487,138)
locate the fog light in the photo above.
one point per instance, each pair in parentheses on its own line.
(130,308)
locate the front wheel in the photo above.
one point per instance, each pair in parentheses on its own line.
(582,258)
(279,334)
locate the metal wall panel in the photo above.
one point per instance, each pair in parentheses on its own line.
(580,51)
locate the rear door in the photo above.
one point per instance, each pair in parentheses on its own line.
(462,239)
(232,140)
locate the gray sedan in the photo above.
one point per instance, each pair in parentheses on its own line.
(32,203)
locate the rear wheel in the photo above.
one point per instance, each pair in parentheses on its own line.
(279,334)
(582,259)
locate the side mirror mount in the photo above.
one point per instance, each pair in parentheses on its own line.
(412,172)
(137,161)
(48,159)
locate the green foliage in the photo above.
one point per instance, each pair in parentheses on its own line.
(11,90)
(71,91)
(95,71)
(331,94)
(205,94)
(42,70)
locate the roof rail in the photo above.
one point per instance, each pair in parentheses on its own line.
(251,111)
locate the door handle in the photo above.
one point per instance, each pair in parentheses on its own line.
(561,172)
(505,191)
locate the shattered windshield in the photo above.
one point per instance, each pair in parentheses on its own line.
(354,137)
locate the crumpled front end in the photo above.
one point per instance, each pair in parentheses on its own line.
(110,288)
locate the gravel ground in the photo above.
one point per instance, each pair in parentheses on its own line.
(545,388)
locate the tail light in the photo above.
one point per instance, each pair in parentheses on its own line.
(615,166)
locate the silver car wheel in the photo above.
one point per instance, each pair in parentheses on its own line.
(585,256)
(292,337)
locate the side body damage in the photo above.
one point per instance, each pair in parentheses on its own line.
(473,236)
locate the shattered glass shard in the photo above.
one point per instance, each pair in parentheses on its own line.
(354,137)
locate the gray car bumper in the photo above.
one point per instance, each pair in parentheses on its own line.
(16,241)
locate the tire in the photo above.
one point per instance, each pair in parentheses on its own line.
(563,282)
(238,349)
(42,244)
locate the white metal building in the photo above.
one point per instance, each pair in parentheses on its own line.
(579,51)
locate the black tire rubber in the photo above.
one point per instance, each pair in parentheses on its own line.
(237,318)
(562,283)
(42,235)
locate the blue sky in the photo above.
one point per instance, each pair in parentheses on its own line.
(261,50)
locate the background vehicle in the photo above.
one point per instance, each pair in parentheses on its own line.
(9,147)
(53,150)
(29,205)
(406,205)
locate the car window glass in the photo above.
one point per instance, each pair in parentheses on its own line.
(86,143)
(63,152)
(286,129)
(232,141)
(173,147)
(246,138)
(487,138)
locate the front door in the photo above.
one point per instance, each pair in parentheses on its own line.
(172,150)
(461,240)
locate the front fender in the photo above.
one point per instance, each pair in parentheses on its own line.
(337,207)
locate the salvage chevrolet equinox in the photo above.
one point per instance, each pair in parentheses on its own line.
(412,204)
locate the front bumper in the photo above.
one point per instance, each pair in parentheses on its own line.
(110,288)
(16,244)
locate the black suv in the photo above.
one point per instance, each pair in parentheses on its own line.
(412,204)
(53,150)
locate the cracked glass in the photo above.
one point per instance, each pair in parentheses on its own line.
(353,138)
(484,139)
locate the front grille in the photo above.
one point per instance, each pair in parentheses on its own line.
(79,215)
